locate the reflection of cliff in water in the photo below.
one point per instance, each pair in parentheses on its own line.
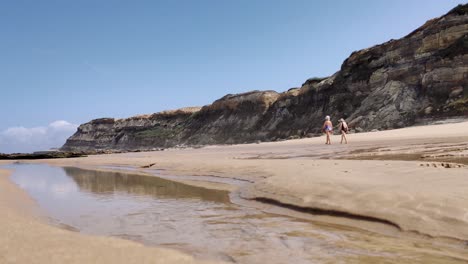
(101,182)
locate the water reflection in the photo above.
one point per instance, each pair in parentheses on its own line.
(103,182)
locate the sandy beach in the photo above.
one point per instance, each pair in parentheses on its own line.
(412,181)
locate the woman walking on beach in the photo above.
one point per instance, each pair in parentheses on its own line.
(327,128)
(343,130)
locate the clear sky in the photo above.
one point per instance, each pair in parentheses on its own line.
(73,61)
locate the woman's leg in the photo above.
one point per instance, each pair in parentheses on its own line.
(343,135)
(328,138)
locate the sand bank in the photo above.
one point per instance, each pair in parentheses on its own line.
(431,201)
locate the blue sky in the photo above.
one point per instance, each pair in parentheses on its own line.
(73,61)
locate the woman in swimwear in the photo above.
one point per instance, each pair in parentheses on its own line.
(343,130)
(327,128)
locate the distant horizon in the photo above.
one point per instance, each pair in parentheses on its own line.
(68,63)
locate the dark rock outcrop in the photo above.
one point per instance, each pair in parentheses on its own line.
(41,155)
(396,84)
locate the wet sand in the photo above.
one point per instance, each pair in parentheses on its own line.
(25,238)
(423,196)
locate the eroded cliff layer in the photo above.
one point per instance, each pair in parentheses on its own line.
(396,84)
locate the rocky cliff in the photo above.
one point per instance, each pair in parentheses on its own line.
(398,83)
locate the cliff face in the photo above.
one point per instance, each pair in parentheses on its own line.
(138,132)
(398,83)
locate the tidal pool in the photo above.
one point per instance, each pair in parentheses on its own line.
(203,222)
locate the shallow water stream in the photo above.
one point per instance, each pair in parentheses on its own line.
(205,223)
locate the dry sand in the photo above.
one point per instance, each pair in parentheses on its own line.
(419,196)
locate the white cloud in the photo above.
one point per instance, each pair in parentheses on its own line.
(22,139)
(62,125)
